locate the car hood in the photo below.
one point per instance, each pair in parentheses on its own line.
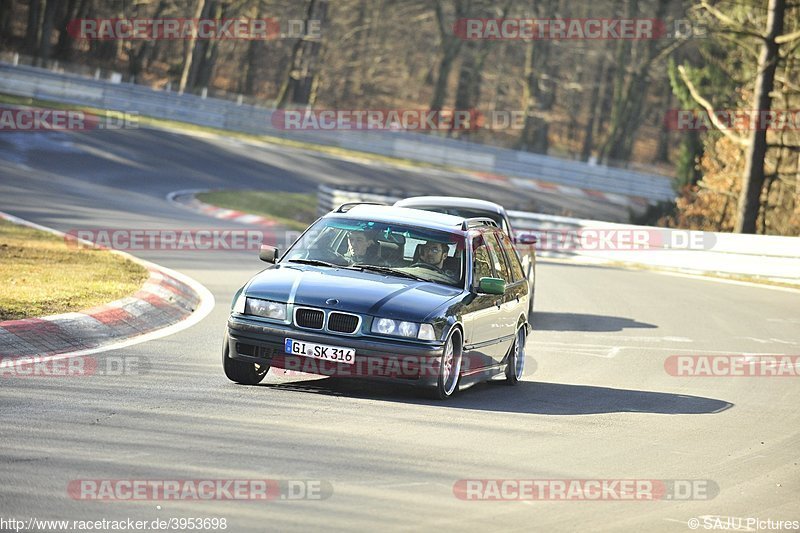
(357,292)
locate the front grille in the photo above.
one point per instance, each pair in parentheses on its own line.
(342,323)
(309,318)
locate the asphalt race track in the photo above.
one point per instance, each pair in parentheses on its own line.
(597,402)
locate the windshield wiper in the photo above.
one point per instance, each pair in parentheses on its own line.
(315,262)
(389,270)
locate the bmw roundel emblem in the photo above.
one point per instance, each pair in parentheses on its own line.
(332,301)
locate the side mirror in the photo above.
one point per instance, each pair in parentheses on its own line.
(268,254)
(492,286)
(527,238)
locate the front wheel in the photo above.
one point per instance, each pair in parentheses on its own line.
(515,367)
(240,371)
(449,368)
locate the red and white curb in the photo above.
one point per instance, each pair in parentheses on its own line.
(187,198)
(567,190)
(168,302)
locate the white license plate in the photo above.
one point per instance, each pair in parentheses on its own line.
(320,351)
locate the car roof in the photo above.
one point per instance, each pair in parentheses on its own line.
(451,201)
(403,215)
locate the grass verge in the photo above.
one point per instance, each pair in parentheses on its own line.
(40,275)
(294,210)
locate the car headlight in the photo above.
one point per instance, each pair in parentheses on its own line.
(265,308)
(403,328)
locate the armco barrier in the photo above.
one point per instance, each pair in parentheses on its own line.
(724,254)
(126,97)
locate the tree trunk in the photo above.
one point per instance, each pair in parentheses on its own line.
(298,81)
(630,91)
(594,112)
(48,21)
(138,60)
(203,49)
(6,18)
(538,90)
(63,49)
(753,175)
(248,81)
(32,33)
(662,151)
(187,60)
(451,46)
(352,77)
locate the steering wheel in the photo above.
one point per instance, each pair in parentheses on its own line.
(428,266)
(329,256)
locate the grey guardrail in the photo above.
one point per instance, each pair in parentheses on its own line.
(591,241)
(329,198)
(225,114)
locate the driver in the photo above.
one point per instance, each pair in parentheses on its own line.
(433,253)
(362,248)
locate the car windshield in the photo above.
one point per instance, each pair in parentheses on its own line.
(386,248)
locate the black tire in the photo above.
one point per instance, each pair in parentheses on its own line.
(515,368)
(240,371)
(449,374)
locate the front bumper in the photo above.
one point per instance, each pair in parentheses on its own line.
(260,342)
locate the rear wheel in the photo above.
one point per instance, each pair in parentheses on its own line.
(449,368)
(240,371)
(515,368)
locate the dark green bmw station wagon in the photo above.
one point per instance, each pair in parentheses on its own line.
(389,293)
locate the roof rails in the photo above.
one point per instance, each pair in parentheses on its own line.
(477,221)
(344,208)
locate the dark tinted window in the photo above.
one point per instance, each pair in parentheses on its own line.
(498,259)
(511,256)
(482,267)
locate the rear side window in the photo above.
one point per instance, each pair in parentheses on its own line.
(498,259)
(511,256)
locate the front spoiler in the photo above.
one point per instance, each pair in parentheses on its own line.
(263,343)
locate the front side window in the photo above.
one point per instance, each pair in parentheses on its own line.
(498,259)
(511,255)
(482,265)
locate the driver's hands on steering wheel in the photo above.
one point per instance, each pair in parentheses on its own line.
(327,255)
(428,266)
